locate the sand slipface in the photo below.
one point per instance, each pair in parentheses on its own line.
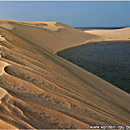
(6,25)
(2,66)
(4,125)
(39,90)
(2,93)
(2,38)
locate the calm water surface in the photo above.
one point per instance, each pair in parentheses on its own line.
(108,60)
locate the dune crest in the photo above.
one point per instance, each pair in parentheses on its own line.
(6,25)
(52,36)
(52,26)
(40,90)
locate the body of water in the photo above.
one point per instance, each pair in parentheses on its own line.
(99,27)
(108,60)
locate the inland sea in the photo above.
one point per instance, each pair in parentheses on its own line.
(108,60)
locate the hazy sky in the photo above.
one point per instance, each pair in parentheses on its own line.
(75,13)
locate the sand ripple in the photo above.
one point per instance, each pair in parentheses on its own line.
(39,90)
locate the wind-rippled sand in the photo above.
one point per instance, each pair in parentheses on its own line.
(40,90)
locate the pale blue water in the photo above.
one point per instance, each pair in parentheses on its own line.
(108,60)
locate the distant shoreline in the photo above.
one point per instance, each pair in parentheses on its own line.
(99,27)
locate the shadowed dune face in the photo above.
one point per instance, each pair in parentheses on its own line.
(2,66)
(2,93)
(40,90)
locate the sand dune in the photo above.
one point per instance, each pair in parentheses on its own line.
(2,66)
(40,90)
(2,93)
(111,34)
(52,36)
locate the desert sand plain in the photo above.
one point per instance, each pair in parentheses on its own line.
(39,90)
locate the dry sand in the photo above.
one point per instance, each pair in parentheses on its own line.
(41,90)
(111,34)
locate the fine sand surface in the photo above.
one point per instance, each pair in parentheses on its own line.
(122,34)
(40,90)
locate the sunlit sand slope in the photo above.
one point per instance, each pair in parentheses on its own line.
(41,90)
(48,35)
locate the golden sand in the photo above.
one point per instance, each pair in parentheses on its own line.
(40,90)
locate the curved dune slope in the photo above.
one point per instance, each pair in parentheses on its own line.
(52,36)
(41,90)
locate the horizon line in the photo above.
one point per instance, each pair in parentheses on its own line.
(81,27)
(63,0)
